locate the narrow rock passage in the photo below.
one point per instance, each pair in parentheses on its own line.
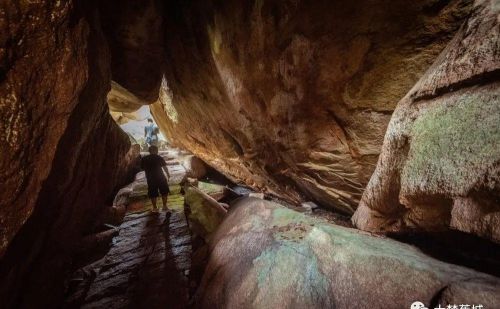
(149,261)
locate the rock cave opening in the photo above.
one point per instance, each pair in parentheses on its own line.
(325,154)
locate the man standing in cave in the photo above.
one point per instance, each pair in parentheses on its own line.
(151,133)
(154,166)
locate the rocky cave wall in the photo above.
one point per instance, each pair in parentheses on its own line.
(293,98)
(135,32)
(440,161)
(62,156)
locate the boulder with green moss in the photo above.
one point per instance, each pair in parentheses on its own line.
(267,256)
(204,213)
(440,163)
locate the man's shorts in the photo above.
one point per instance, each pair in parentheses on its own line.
(157,187)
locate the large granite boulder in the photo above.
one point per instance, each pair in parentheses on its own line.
(293,97)
(195,168)
(135,33)
(440,161)
(62,156)
(204,213)
(123,104)
(267,256)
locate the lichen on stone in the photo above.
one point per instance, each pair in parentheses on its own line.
(454,144)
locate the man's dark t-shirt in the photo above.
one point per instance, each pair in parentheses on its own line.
(152,164)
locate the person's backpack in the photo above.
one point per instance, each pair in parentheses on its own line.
(156,130)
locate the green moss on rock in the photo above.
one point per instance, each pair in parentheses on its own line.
(454,144)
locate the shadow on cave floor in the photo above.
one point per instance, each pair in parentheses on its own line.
(456,247)
(147,266)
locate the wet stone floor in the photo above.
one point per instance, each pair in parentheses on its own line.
(148,263)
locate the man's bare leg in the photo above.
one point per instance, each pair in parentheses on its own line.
(164,199)
(153,201)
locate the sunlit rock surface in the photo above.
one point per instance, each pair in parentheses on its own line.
(439,165)
(205,214)
(280,258)
(195,168)
(292,97)
(62,156)
(123,105)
